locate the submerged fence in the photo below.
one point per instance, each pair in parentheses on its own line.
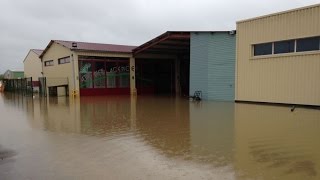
(57,86)
(23,86)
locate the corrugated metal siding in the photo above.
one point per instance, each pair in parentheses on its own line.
(199,64)
(212,62)
(289,78)
(221,67)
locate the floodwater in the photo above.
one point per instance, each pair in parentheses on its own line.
(122,137)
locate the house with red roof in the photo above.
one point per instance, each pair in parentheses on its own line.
(84,68)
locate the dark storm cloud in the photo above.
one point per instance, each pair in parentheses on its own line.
(33,23)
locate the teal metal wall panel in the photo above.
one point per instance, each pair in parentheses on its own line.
(215,54)
(198,64)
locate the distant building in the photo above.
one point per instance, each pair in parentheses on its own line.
(33,66)
(278,57)
(13,74)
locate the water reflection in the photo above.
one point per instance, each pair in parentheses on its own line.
(272,142)
(164,123)
(167,136)
(212,131)
(105,115)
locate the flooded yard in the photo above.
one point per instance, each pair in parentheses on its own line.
(123,137)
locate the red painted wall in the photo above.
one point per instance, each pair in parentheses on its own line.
(104,91)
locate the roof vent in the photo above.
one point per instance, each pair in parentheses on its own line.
(74,45)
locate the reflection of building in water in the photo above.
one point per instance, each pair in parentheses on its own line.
(167,124)
(199,131)
(63,115)
(211,126)
(14,99)
(95,115)
(101,115)
(161,122)
(58,114)
(53,114)
(164,123)
(273,142)
(25,103)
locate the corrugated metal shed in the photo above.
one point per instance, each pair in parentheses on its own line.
(291,78)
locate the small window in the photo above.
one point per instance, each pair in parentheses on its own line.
(308,44)
(284,47)
(64,60)
(48,63)
(262,49)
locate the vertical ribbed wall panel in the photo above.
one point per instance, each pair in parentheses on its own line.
(221,67)
(291,78)
(199,63)
(212,65)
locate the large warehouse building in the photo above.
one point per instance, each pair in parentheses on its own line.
(278,57)
(185,62)
(174,63)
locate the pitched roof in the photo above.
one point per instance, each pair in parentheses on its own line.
(37,51)
(96,46)
(14,74)
(87,46)
(18,74)
(173,41)
(15,71)
(278,13)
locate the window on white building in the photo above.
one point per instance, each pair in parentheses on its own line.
(48,63)
(64,60)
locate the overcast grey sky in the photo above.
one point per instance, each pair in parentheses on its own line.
(31,24)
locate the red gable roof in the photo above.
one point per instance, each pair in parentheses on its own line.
(96,46)
(86,46)
(37,51)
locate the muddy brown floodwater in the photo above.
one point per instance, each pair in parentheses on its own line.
(122,137)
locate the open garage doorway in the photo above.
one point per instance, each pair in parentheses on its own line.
(154,76)
(163,65)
